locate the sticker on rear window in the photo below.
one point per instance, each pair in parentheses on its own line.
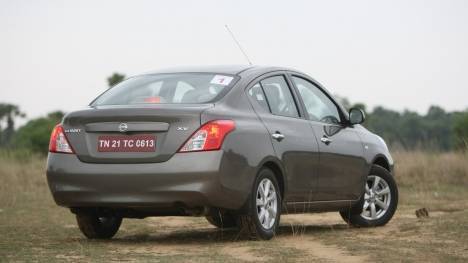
(221,80)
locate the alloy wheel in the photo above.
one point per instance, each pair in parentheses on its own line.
(377,198)
(267,204)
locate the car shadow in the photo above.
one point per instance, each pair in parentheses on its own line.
(213,235)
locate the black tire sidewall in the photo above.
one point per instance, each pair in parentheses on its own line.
(221,219)
(265,233)
(92,228)
(354,216)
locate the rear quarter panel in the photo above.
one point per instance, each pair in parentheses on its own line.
(246,148)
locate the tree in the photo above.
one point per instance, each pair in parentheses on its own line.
(460,130)
(438,126)
(385,123)
(8,113)
(35,134)
(115,79)
(411,130)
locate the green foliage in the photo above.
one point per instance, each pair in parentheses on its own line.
(382,122)
(460,130)
(35,134)
(115,79)
(410,130)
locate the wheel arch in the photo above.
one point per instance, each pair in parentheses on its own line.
(275,165)
(382,161)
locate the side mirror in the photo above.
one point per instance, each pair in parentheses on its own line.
(356,116)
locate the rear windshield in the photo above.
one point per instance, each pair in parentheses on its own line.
(191,88)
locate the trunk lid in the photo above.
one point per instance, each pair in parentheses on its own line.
(170,125)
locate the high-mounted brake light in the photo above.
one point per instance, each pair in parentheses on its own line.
(209,137)
(58,141)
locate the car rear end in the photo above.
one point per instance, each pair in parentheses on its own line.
(141,146)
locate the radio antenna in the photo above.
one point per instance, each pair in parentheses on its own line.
(238,44)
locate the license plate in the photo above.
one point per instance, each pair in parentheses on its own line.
(127,143)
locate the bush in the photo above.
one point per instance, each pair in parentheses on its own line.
(35,134)
(460,130)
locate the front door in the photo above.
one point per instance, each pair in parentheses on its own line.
(292,137)
(342,169)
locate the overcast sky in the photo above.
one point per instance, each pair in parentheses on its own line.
(399,54)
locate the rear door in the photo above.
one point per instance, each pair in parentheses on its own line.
(292,138)
(342,165)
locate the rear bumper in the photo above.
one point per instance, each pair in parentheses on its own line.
(187,179)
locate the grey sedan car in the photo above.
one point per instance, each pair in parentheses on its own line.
(237,144)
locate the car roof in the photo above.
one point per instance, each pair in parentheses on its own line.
(221,69)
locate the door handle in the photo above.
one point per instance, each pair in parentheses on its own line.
(277,136)
(326,140)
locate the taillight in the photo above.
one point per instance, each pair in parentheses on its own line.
(209,137)
(58,141)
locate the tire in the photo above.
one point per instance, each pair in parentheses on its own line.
(361,214)
(221,219)
(252,223)
(94,227)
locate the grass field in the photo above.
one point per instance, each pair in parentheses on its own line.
(33,228)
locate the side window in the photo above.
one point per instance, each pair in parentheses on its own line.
(318,105)
(256,93)
(279,97)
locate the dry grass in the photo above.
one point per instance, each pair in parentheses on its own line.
(23,177)
(431,169)
(33,228)
(433,180)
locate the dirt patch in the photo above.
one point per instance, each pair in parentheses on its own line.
(166,250)
(173,221)
(312,219)
(71,258)
(319,251)
(176,222)
(244,254)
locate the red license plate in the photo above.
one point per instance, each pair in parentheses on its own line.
(127,143)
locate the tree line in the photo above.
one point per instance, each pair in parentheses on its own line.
(436,130)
